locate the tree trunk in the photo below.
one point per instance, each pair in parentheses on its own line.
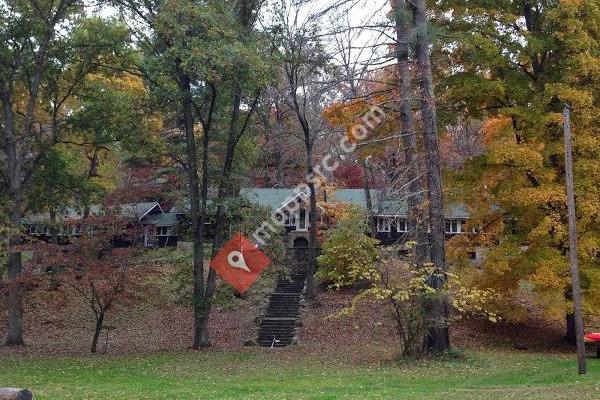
(15,268)
(438,336)
(15,300)
(245,12)
(312,216)
(53,227)
(198,247)
(417,232)
(53,269)
(15,290)
(369,200)
(571,336)
(201,333)
(97,331)
(311,264)
(225,190)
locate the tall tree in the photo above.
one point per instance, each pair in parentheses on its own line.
(197,53)
(304,63)
(248,80)
(404,27)
(39,64)
(513,64)
(438,338)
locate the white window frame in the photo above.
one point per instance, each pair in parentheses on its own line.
(455,226)
(401,222)
(384,224)
(302,224)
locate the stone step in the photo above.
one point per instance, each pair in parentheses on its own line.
(291,287)
(292,312)
(277,328)
(278,335)
(284,305)
(283,314)
(291,301)
(295,298)
(285,300)
(288,322)
(282,311)
(285,325)
(278,343)
(281,308)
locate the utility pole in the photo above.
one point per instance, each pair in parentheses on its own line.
(573,241)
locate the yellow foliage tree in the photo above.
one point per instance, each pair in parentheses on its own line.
(518,65)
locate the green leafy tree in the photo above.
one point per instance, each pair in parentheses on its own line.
(514,64)
(203,62)
(56,185)
(348,252)
(47,47)
(245,217)
(242,216)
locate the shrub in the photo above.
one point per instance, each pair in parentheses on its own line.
(405,290)
(348,253)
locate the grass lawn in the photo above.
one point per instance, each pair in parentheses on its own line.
(261,374)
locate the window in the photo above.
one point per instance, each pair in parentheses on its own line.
(302,219)
(453,226)
(401,226)
(163,231)
(384,224)
(285,218)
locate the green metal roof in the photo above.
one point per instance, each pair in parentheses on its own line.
(183,207)
(355,196)
(457,211)
(166,219)
(392,207)
(273,198)
(138,210)
(400,208)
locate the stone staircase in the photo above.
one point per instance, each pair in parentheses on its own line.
(278,326)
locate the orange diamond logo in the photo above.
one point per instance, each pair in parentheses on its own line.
(240,262)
